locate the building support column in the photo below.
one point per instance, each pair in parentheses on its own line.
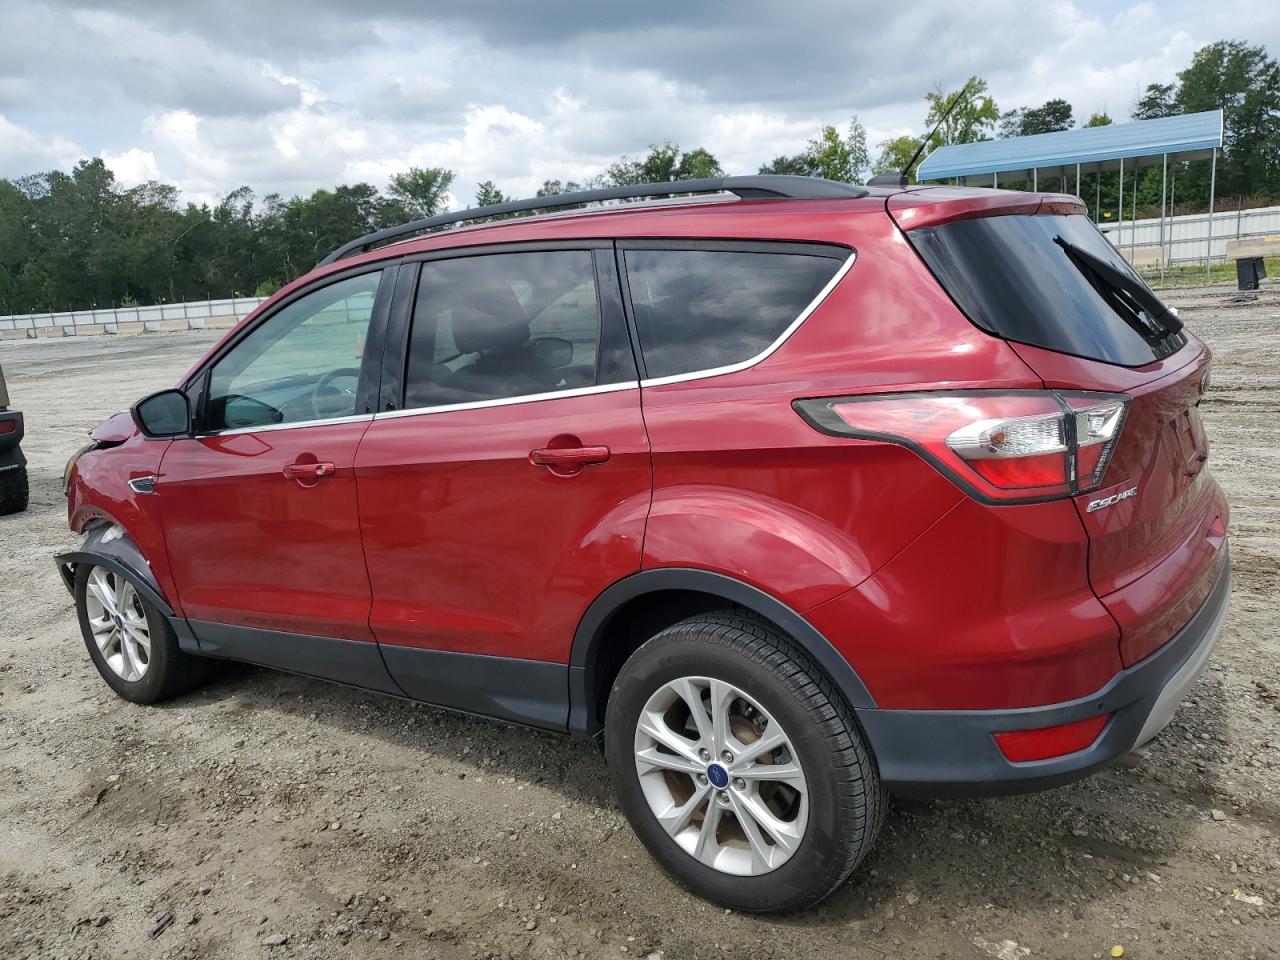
(1213,186)
(1164,178)
(1133,219)
(1120,211)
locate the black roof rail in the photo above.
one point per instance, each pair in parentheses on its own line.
(776,187)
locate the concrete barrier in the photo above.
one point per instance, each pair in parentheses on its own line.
(160,318)
(1254,247)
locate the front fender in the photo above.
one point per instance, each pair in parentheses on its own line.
(98,493)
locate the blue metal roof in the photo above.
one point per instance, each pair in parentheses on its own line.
(1187,133)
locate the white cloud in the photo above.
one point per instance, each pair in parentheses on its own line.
(29,152)
(132,167)
(215,96)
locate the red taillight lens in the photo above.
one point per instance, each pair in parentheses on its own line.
(1007,446)
(1021,746)
(8,426)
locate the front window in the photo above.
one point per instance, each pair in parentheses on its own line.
(302,363)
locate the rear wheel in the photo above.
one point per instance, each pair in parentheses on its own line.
(130,641)
(740,767)
(14,490)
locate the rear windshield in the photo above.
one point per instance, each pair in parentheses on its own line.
(1016,277)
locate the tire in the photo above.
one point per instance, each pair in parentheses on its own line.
(15,491)
(164,671)
(829,812)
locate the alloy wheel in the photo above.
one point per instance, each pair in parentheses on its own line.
(721,776)
(118,622)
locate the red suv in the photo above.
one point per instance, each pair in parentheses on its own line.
(788,495)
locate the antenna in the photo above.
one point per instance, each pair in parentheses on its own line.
(900,179)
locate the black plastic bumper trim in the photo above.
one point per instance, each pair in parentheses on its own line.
(952,752)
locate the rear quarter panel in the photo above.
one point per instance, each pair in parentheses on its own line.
(745,487)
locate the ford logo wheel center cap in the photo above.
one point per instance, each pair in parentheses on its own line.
(718,776)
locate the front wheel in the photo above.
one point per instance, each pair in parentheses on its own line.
(129,640)
(739,765)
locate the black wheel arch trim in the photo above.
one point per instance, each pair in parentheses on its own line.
(119,554)
(584,720)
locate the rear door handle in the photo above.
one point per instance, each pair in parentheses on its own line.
(568,456)
(308,471)
(567,461)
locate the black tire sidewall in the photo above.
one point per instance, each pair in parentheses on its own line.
(794,884)
(15,490)
(152,686)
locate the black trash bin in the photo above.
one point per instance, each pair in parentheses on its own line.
(1249,271)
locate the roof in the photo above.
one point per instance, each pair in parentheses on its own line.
(1190,136)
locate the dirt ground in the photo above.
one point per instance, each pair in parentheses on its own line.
(267,806)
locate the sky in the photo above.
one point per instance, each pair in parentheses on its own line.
(290,97)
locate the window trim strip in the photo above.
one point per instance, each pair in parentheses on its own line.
(769,350)
(508,401)
(294,425)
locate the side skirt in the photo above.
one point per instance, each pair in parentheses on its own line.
(354,662)
(529,692)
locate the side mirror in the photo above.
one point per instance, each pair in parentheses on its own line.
(164,414)
(553,351)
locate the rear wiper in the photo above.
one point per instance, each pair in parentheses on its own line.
(1157,313)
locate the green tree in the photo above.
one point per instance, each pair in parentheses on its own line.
(422,190)
(1052,116)
(488,194)
(895,154)
(801,165)
(829,155)
(973,119)
(1158,100)
(1244,82)
(1101,119)
(663,163)
(837,157)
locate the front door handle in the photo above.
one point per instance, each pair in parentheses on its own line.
(567,461)
(308,472)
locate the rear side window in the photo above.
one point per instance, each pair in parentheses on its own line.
(699,310)
(504,325)
(1015,277)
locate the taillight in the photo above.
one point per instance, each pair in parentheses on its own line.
(1007,446)
(8,426)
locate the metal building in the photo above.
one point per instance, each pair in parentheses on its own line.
(1118,146)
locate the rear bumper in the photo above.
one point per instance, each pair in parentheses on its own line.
(953,751)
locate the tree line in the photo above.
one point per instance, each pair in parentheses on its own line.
(78,240)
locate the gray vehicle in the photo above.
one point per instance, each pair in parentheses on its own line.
(13,465)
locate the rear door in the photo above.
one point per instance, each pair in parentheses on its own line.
(506,480)
(1157,520)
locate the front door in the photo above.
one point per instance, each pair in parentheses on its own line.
(510,484)
(259,508)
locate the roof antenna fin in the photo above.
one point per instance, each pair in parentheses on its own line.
(900,179)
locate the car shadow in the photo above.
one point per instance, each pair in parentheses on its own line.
(1068,847)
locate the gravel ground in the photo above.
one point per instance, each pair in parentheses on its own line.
(269,815)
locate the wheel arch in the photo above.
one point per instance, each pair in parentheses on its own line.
(633,609)
(108,544)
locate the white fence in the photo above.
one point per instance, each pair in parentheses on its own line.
(1185,237)
(164,316)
